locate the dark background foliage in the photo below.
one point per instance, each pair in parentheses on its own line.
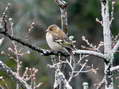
(82,16)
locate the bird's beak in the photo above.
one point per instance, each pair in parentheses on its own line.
(46,30)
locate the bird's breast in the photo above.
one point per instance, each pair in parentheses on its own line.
(51,43)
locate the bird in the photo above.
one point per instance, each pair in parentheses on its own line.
(57,40)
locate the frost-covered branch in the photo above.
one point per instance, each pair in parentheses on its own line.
(106,23)
(88,52)
(12,74)
(114,68)
(106,26)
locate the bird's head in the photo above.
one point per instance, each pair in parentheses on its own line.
(53,28)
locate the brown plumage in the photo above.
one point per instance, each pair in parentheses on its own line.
(57,39)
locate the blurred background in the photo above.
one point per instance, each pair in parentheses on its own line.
(82,16)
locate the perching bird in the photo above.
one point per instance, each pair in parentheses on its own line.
(57,39)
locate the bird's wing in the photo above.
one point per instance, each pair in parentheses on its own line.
(63,40)
(60,35)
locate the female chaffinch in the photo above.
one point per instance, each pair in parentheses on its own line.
(57,39)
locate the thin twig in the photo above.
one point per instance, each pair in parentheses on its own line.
(63,9)
(81,69)
(115,48)
(99,86)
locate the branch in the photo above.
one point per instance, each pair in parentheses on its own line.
(63,9)
(106,23)
(106,27)
(88,52)
(114,68)
(115,48)
(12,74)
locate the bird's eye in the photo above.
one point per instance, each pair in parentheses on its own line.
(52,28)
